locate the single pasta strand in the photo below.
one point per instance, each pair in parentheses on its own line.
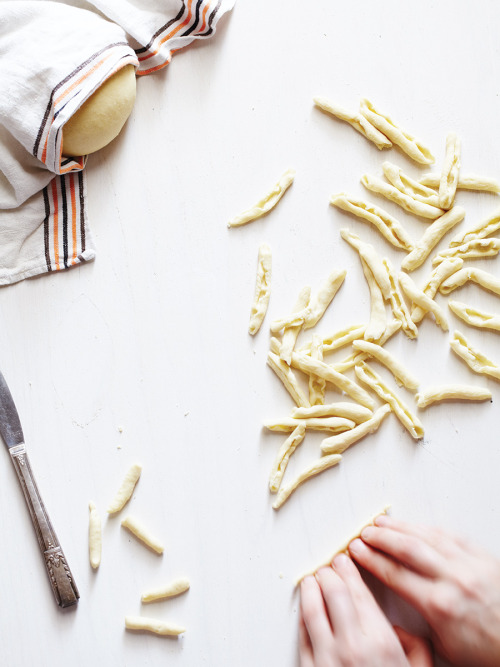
(153,625)
(482,278)
(317,385)
(408,144)
(95,537)
(378,316)
(398,305)
(451,392)
(481,230)
(337,340)
(358,413)
(173,589)
(469,182)
(475,249)
(138,530)
(285,452)
(401,374)
(451,169)
(291,333)
(431,237)
(126,489)
(262,289)
(312,470)
(474,359)
(267,202)
(288,424)
(390,228)
(475,317)
(393,194)
(288,378)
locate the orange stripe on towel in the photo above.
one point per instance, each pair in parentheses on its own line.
(73,214)
(169,35)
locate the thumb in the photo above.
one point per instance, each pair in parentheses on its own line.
(417,649)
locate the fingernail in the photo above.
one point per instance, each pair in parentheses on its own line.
(340,560)
(368,532)
(356,546)
(382,520)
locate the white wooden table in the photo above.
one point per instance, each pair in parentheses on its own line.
(144,355)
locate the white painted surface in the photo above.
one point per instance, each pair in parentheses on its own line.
(152,338)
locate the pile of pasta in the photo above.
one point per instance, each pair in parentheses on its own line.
(145,537)
(397,304)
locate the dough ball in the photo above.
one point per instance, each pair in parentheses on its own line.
(100,119)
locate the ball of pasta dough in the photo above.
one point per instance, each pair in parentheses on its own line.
(100,119)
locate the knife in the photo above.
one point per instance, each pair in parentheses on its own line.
(60,577)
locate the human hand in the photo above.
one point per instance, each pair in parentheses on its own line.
(454,586)
(341,624)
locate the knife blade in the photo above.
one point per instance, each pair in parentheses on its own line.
(60,577)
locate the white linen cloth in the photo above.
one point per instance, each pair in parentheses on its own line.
(53,56)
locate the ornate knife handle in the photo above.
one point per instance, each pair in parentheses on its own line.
(60,577)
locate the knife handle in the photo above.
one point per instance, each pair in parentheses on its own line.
(60,577)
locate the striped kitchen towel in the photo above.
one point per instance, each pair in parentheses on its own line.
(53,56)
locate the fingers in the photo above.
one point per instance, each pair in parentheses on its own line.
(315,617)
(367,609)
(305,646)
(338,601)
(407,549)
(447,545)
(412,587)
(417,649)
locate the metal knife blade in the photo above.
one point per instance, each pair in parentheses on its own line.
(60,577)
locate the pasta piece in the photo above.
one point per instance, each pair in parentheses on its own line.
(409,204)
(378,316)
(322,298)
(138,530)
(358,413)
(304,363)
(470,182)
(388,226)
(398,304)
(285,452)
(449,174)
(95,537)
(478,276)
(368,253)
(421,299)
(483,229)
(174,588)
(437,278)
(337,444)
(475,249)
(476,361)
(288,378)
(451,392)
(345,546)
(337,340)
(402,375)
(153,625)
(126,489)
(367,375)
(291,333)
(408,144)
(356,120)
(409,186)
(289,424)
(431,237)
(267,202)
(317,385)
(315,468)
(351,361)
(262,289)
(475,317)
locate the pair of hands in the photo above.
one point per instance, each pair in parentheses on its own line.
(454,586)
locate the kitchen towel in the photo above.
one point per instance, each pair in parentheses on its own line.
(53,56)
